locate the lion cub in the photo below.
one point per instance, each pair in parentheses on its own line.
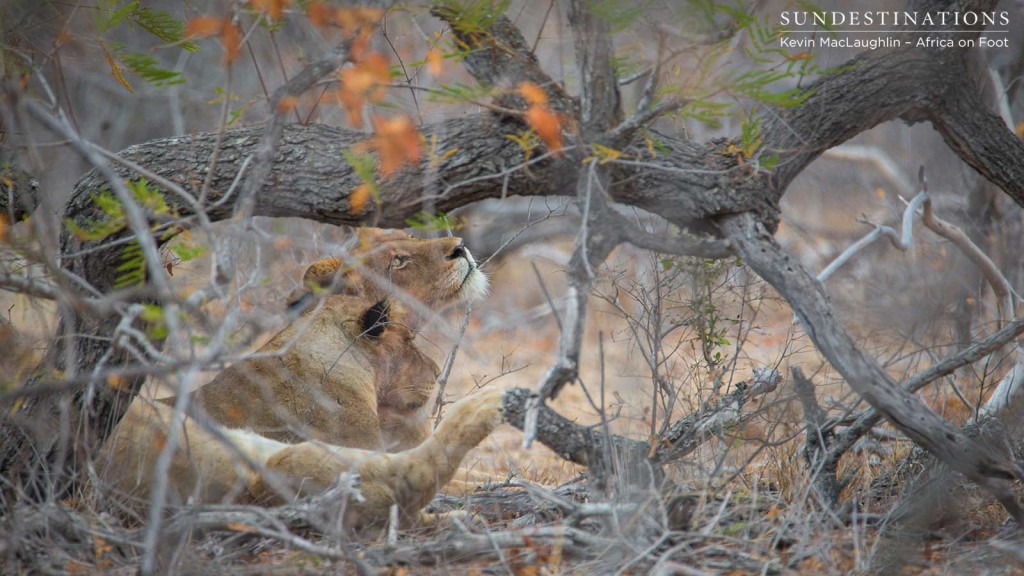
(315,380)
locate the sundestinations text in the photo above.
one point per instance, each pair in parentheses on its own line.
(892,18)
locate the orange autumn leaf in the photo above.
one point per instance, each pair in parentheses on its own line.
(435,62)
(287,104)
(202,27)
(231,39)
(365,80)
(115,69)
(357,200)
(546,124)
(319,14)
(358,24)
(274,9)
(375,72)
(352,19)
(533,94)
(159,441)
(117,382)
(352,102)
(360,44)
(347,20)
(368,15)
(239,527)
(397,142)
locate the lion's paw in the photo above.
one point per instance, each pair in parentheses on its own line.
(478,414)
(489,406)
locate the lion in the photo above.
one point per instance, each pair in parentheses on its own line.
(432,272)
(322,378)
(328,394)
(213,463)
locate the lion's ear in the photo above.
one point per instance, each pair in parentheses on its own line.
(321,273)
(375,319)
(331,273)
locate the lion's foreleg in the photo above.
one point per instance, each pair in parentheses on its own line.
(408,479)
(419,473)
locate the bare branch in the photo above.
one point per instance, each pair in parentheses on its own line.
(990,470)
(1000,285)
(267,148)
(870,418)
(580,444)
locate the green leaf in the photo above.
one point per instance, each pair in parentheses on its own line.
(109,16)
(147,68)
(459,93)
(153,316)
(188,252)
(132,269)
(162,25)
(365,167)
(433,222)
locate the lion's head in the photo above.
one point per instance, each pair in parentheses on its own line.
(384,263)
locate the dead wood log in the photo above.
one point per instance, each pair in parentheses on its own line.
(588,445)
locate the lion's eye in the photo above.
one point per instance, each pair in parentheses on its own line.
(398,261)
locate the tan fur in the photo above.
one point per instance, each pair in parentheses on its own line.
(17,357)
(409,479)
(206,470)
(383,261)
(333,385)
(203,469)
(331,382)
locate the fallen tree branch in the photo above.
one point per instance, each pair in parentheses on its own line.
(711,420)
(584,445)
(762,253)
(871,417)
(461,546)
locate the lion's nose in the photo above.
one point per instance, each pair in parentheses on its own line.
(459,252)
